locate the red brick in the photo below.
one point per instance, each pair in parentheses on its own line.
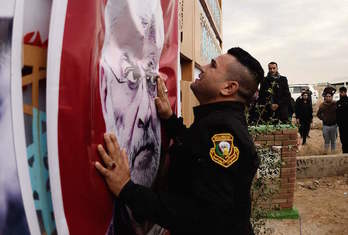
(287,185)
(290,131)
(285,195)
(288,159)
(293,154)
(291,189)
(265,137)
(281,137)
(286,154)
(293,137)
(261,142)
(285,191)
(292,180)
(280,200)
(270,142)
(285,205)
(287,174)
(284,180)
(291,164)
(289,142)
(290,197)
(277,143)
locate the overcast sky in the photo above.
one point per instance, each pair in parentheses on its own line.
(307,38)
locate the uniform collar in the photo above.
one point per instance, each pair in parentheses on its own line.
(236,109)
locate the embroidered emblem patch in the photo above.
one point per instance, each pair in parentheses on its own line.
(224,152)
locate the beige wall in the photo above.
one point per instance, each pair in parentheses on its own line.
(194,17)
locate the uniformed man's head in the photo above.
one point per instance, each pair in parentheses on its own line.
(343,91)
(231,76)
(273,68)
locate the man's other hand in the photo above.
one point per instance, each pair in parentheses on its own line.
(116,171)
(162,102)
(274,107)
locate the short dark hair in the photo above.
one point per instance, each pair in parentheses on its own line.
(253,67)
(272,62)
(343,89)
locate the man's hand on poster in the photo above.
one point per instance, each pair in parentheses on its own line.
(116,172)
(274,107)
(162,102)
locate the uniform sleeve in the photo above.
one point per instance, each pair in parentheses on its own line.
(174,127)
(167,210)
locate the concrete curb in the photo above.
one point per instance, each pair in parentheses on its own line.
(321,166)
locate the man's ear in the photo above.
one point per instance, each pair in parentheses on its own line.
(229,88)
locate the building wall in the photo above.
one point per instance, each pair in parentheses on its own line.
(200,28)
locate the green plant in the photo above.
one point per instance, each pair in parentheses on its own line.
(265,185)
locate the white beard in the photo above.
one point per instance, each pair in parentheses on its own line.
(9,185)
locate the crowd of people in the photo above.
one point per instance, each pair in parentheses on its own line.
(334,114)
(273,104)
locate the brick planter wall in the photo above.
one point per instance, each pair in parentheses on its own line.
(285,140)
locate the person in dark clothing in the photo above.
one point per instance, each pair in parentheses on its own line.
(342,118)
(327,113)
(213,162)
(291,109)
(309,95)
(304,115)
(275,95)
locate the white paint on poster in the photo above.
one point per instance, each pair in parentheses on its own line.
(37,17)
(18,120)
(7,8)
(55,45)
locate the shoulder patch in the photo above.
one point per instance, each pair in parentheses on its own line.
(224,152)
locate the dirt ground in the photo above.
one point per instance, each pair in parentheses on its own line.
(323,202)
(322,205)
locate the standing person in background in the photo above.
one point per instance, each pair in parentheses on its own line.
(275,95)
(327,113)
(304,115)
(342,118)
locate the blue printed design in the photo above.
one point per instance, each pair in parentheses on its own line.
(37,158)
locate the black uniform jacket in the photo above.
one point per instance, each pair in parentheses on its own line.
(212,167)
(275,91)
(280,94)
(342,113)
(304,111)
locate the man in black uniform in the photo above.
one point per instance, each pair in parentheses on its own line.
(304,115)
(342,118)
(212,163)
(275,95)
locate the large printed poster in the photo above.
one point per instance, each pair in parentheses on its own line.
(12,214)
(36,19)
(110,53)
(16,199)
